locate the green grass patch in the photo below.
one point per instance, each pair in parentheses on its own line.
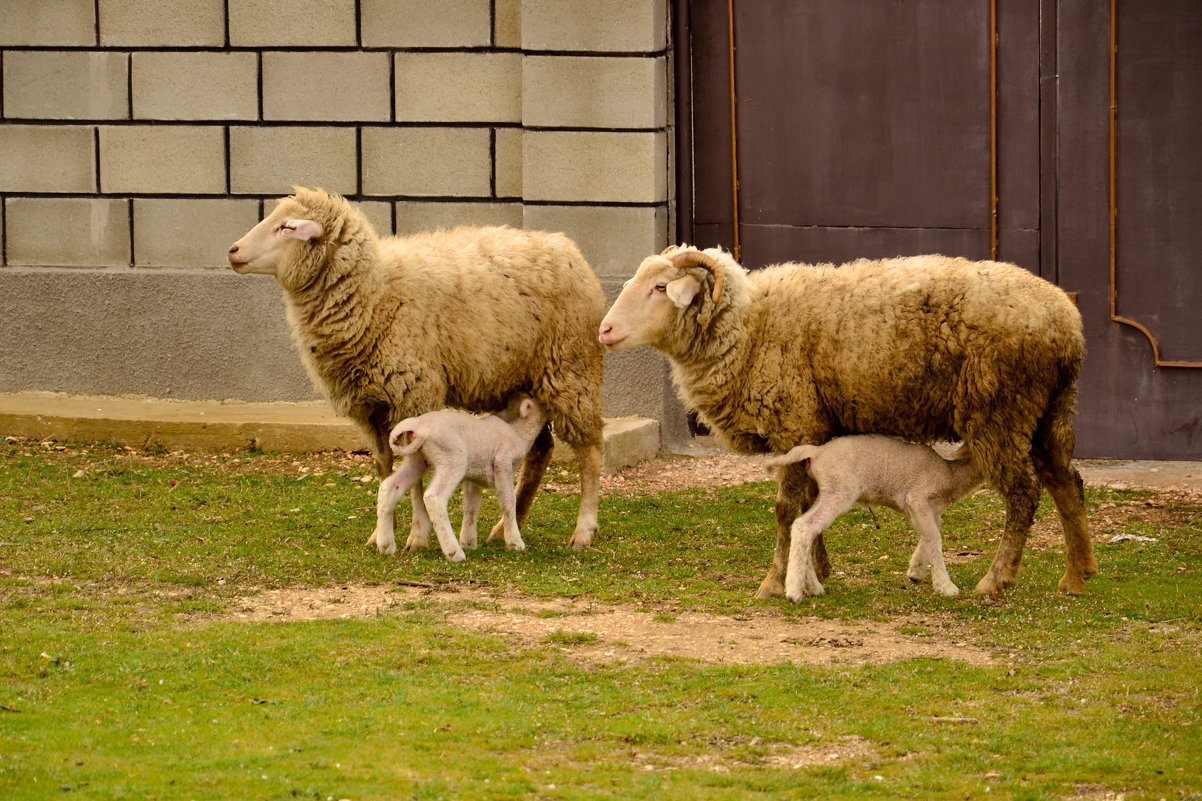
(125,673)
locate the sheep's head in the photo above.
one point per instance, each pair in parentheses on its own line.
(294,233)
(664,286)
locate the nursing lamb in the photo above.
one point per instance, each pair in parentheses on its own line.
(452,447)
(393,327)
(876,470)
(925,348)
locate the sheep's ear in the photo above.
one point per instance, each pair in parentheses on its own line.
(683,290)
(526,408)
(300,229)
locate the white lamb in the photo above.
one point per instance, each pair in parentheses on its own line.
(874,469)
(452,447)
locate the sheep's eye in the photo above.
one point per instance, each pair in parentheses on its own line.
(285,227)
(661,287)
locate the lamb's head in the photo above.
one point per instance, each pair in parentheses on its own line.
(666,294)
(293,241)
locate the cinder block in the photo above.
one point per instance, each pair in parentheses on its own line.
(507,23)
(67,232)
(326,87)
(270,161)
(153,23)
(595,166)
(594,92)
(195,86)
(507,166)
(459,87)
(48,23)
(168,158)
(623,26)
(414,217)
(420,23)
(298,23)
(65,85)
(429,162)
(613,239)
(41,158)
(189,233)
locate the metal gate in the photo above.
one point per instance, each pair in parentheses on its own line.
(1060,135)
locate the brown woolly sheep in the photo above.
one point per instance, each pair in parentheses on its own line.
(925,348)
(393,327)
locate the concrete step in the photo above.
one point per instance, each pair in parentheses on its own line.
(232,425)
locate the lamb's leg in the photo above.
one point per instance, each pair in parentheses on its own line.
(930,547)
(437,496)
(507,502)
(802,578)
(472,497)
(795,493)
(391,489)
(588,457)
(1015,480)
(420,525)
(529,479)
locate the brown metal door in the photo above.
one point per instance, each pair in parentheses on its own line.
(827,130)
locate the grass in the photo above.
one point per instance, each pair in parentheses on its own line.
(124,673)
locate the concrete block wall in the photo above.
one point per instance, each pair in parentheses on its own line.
(138,138)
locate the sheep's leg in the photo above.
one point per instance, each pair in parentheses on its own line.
(437,496)
(930,548)
(589,459)
(472,498)
(392,487)
(507,502)
(529,479)
(1068,492)
(1019,487)
(795,493)
(801,578)
(420,525)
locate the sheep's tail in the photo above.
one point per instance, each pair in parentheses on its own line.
(798,454)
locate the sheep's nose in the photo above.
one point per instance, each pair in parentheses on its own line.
(234,249)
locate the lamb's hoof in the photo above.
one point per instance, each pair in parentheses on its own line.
(457,556)
(516,546)
(1090,569)
(498,532)
(387,548)
(412,545)
(469,545)
(1072,583)
(947,590)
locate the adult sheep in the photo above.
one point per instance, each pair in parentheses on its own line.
(393,327)
(924,348)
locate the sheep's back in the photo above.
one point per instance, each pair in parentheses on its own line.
(915,346)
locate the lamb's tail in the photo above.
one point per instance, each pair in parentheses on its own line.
(798,454)
(406,439)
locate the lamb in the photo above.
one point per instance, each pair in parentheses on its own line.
(452,447)
(872,469)
(392,327)
(925,348)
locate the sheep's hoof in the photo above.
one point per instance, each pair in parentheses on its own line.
(1072,583)
(772,587)
(497,533)
(947,590)
(579,542)
(388,547)
(990,584)
(457,556)
(416,545)
(516,546)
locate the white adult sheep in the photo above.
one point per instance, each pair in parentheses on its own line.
(451,447)
(877,470)
(926,348)
(392,327)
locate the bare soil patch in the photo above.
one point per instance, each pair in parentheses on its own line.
(625,633)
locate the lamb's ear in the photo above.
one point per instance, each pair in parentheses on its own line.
(683,290)
(526,408)
(300,229)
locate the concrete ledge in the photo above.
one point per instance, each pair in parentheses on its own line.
(230,425)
